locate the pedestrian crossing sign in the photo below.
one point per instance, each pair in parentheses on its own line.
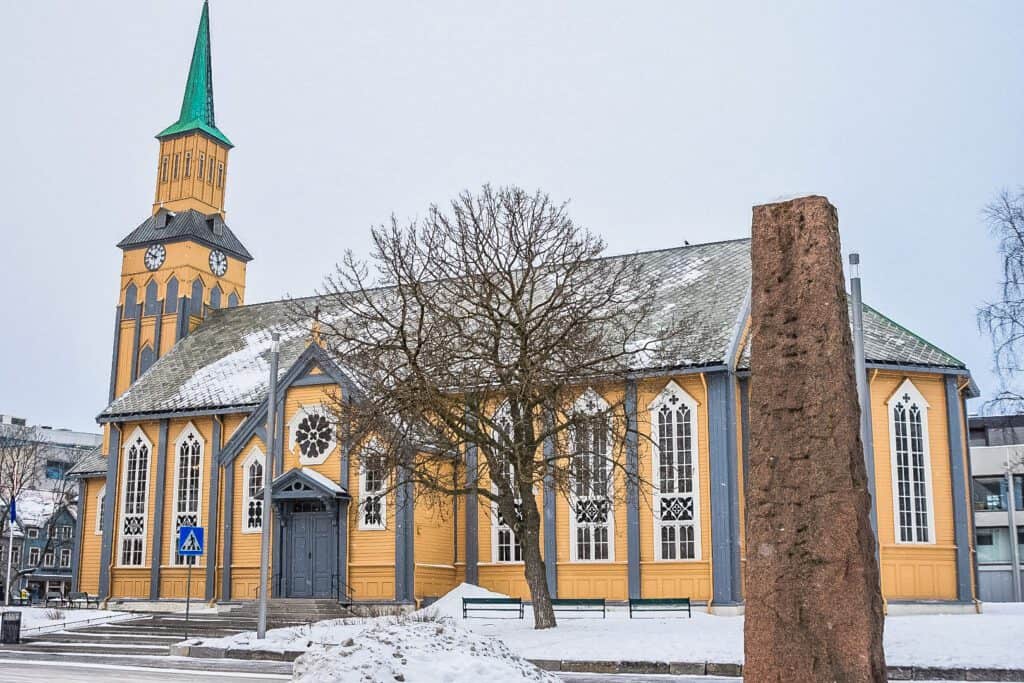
(190,541)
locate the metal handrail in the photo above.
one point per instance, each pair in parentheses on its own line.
(80,622)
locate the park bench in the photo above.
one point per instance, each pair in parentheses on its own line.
(660,605)
(492,605)
(579,605)
(82,599)
(55,599)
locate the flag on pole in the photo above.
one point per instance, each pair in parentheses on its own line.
(14,511)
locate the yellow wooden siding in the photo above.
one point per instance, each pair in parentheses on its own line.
(245,547)
(191,192)
(661,578)
(914,571)
(434,546)
(91,543)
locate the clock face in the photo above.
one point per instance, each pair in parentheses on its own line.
(218,263)
(155,256)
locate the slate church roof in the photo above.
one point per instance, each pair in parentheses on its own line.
(165,226)
(225,362)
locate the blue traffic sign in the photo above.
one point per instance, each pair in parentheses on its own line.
(190,541)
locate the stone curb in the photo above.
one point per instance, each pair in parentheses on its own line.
(896,673)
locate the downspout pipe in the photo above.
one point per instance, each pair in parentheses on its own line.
(863,393)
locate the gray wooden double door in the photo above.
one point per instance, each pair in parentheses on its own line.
(312,555)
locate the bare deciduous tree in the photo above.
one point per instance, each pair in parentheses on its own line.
(478,328)
(1003,320)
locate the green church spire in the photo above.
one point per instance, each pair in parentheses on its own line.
(197,105)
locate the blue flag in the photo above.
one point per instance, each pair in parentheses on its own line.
(14,511)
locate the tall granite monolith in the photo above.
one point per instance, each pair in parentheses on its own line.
(813,600)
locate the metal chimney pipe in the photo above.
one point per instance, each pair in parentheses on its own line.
(863,393)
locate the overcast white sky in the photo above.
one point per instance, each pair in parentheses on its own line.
(661,122)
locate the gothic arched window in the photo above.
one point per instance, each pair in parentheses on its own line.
(196,298)
(131,300)
(171,298)
(152,306)
(252,507)
(215,295)
(146,359)
(911,466)
(675,467)
(134,499)
(505,547)
(188,477)
(592,520)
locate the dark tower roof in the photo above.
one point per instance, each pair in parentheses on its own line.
(166,227)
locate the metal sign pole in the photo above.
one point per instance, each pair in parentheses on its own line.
(188,594)
(268,479)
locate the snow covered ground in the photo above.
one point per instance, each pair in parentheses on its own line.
(416,652)
(36,617)
(991,639)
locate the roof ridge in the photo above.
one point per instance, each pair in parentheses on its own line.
(596,258)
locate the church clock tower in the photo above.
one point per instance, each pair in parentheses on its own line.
(183,261)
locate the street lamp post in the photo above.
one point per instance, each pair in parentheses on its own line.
(268,478)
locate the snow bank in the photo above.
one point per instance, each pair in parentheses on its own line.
(451,604)
(416,652)
(36,617)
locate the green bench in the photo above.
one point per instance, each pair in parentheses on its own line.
(492,605)
(579,605)
(660,605)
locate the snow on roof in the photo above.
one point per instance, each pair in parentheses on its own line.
(224,363)
(322,480)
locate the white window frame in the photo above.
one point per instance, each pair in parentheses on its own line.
(48,558)
(302,413)
(64,532)
(100,504)
(503,413)
(255,455)
(137,436)
(908,388)
(31,533)
(592,403)
(65,558)
(33,556)
(363,493)
(665,398)
(183,436)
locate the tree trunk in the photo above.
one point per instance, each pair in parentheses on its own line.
(813,606)
(533,566)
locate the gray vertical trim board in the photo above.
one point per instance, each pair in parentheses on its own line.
(277,520)
(472,510)
(723,489)
(404,561)
(158,511)
(971,528)
(632,492)
(958,477)
(135,343)
(158,332)
(76,550)
(212,521)
(745,425)
(229,524)
(733,488)
(343,549)
(550,525)
(107,549)
(410,539)
(114,353)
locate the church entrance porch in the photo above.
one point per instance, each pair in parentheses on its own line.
(310,549)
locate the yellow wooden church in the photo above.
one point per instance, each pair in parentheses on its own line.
(185,442)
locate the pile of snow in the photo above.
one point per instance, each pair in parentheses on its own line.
(451,604)
(416,651)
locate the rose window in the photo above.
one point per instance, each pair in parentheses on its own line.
(313,435)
